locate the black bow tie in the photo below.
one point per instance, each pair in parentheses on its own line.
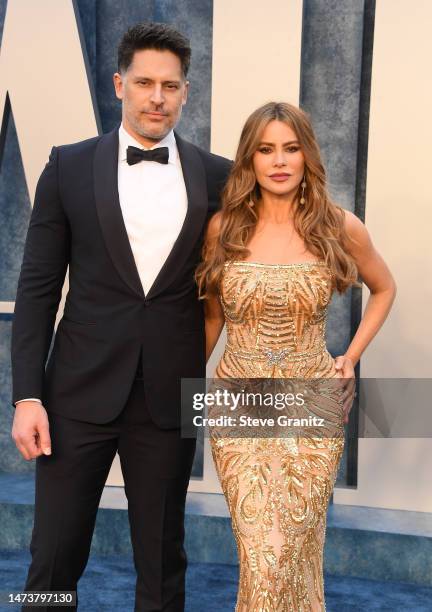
(135,155)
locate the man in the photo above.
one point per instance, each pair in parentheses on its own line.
(129,224)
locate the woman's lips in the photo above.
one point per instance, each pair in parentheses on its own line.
(279,177)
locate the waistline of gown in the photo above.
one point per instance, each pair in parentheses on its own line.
(276,356)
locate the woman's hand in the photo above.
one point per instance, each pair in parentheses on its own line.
(345,369)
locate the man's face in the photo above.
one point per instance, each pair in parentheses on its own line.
(153,92)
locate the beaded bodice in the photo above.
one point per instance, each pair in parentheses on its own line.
(276,320)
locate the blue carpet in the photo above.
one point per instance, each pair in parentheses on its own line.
(211,587)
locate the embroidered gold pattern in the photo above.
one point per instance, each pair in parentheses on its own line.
(278,489)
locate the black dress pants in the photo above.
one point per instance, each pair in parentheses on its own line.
(156,466)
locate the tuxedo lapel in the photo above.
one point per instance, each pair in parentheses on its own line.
(109,210)
(196,189)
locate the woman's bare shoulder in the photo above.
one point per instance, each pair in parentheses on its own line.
(354,227)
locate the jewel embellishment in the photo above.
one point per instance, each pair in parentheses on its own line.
(275,357)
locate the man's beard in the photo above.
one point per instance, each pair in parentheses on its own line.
(146,133)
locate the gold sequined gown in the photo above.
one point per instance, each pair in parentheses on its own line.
(278,489)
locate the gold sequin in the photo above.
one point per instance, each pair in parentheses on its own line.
(278,489)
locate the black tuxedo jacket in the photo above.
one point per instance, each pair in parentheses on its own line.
(108,321)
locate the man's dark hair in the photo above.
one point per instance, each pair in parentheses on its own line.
(149,35)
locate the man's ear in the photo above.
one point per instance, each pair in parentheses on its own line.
(118,85)
(185,93)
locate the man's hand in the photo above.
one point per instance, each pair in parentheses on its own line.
(345,369)
(30,430)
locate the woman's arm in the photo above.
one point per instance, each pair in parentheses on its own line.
(377,277)
(379,280)
(214,316)
(214,322)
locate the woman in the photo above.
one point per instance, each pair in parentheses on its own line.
(272,258)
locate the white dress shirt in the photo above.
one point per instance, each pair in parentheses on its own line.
(153,202)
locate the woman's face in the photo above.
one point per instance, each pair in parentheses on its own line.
(279,161)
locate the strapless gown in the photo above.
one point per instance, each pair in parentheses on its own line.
(278,488)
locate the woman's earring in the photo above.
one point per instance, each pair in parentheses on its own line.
(303,185)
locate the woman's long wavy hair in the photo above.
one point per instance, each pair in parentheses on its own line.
(319,222)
